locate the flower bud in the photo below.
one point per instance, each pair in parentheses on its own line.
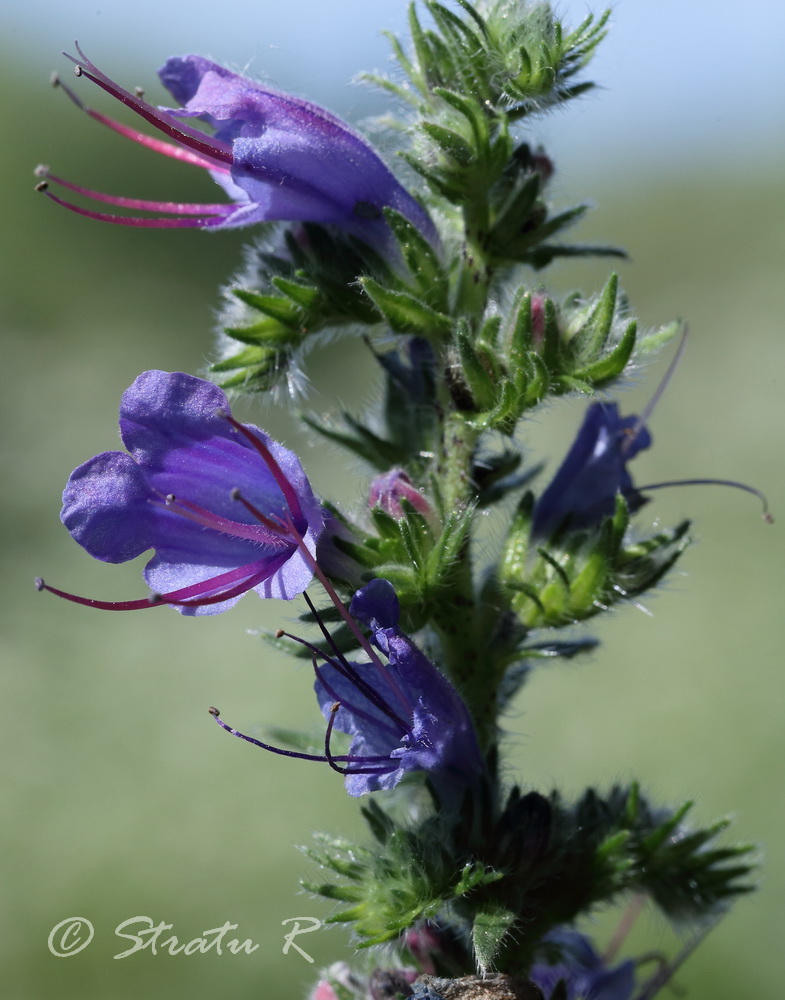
(391,489)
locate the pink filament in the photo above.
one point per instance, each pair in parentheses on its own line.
(144,205)
(136,220)
(213,149)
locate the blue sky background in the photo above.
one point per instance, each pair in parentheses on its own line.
(682,79)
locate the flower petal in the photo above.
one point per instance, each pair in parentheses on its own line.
(292,159)
(106,507)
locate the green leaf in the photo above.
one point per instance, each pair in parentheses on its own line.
(305,296)
(406,313)
(588,343)
(450,143)
(376,451)
(491,925)
(284,310)
(613,364)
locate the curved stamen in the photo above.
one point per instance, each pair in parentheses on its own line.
(328,734)
(289,493)
(767,517)
(266,746)
(356,631)
(157,145)
(365,688)
(396,731)
(144,205)
(147,602)
(643,419)
(131,220)
(194,596)
(319,758)
(665,974)
(391,766)
(342,666)
(213,149)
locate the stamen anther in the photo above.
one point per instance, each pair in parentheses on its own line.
(279,633)
(42,186)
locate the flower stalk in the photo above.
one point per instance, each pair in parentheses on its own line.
(433,624)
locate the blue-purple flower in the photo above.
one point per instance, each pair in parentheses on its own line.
(584,489)
(277,157)
(585,975)
(402,714)
(225,508)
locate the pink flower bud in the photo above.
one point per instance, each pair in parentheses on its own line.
(388,490)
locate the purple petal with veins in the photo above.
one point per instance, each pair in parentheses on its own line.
(175,491)
(277,157)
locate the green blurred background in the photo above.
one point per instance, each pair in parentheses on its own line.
(121,797)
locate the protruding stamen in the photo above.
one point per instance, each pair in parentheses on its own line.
(264,746)
(236,582)
(321,759)
(643,419)
(327,737)
(195,222)
(157,145)
(213,149)
(138,605)
(631,913)
(767,517)
(142,204)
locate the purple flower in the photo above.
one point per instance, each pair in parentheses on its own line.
(583,971)
(401,712)
(583,492)
(584,489)
(277,157)
(225,507)
(403,715)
